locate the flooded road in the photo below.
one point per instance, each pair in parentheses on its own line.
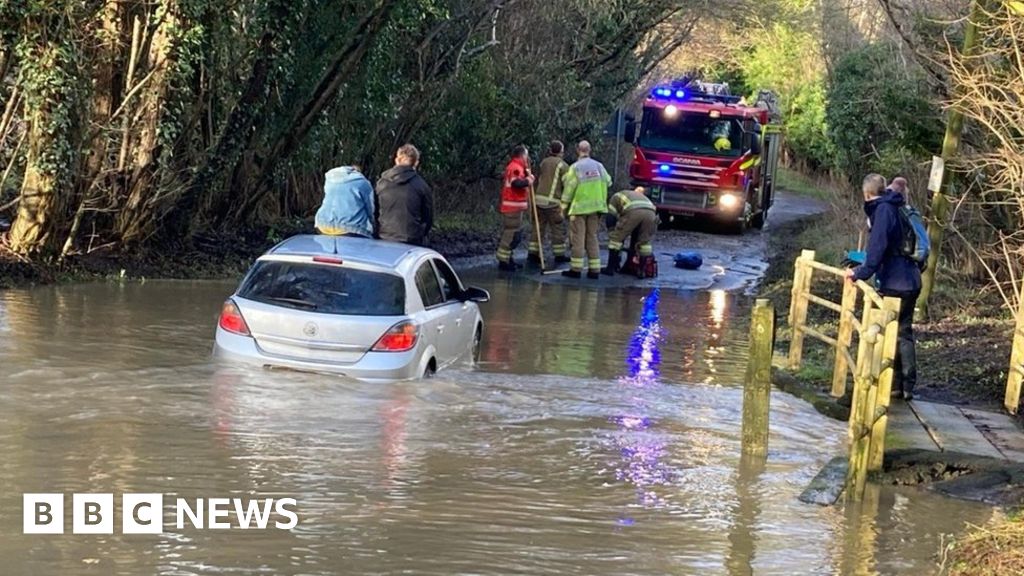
(599,435)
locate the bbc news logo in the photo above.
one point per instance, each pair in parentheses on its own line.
(144,513)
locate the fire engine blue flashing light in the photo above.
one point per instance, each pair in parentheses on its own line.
(669,93)
(664,168)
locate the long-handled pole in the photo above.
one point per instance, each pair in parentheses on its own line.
(536,228)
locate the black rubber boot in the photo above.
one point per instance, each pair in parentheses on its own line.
(593,274)
(572,274)
(562,259)
(533,258)
(614,261)
(506,266)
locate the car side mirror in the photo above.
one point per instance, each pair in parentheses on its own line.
(474,294)
(755,143)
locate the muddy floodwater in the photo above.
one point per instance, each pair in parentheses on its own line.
(600,434)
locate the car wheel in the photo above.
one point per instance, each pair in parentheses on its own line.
(477,341)
(431,370)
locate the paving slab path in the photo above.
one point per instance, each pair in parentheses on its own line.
(948,428)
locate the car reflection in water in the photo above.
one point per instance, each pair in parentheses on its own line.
(643,449)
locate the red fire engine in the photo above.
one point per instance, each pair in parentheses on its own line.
(702,153)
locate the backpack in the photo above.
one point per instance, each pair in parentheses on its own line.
(916,245)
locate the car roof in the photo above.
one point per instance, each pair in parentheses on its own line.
(365,250)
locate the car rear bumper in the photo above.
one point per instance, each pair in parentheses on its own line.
(372,367)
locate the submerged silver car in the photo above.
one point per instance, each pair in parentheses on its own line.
(368,309)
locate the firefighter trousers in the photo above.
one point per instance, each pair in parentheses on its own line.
(583,242)
(552,228)
(511,234)
(640,220)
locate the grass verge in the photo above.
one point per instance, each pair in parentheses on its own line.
(996,550)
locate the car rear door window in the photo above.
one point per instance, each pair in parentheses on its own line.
(450,285)
(326,289)
(429,287)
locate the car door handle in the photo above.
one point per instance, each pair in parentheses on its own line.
(440,328)
(458,321)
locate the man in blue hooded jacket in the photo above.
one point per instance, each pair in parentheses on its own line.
(895,274)
(348,203)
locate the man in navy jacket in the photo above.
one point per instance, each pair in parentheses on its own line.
(895,274)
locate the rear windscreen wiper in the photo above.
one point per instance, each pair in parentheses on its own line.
(294,302)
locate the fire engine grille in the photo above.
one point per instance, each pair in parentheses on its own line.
(683,198)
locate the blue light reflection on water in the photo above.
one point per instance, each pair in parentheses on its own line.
(642,448)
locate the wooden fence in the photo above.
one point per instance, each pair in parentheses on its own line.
(877,329)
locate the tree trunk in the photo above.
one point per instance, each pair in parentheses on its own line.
(950,147)
(136,218)
(51,91)
(238,133)
(340,69)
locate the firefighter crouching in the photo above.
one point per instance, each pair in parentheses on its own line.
(635,215)
(584,197)
(548,196)
(517,182)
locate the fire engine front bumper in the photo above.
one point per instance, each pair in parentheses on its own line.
(680,202)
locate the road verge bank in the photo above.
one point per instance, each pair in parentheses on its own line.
(215,256)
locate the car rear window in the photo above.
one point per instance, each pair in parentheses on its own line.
(326,289)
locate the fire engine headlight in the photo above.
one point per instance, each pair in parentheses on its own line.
(728,201)
(671,111)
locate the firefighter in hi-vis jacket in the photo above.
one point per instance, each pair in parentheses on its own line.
(633,212)
(516,186)
(551,220)
(583,198)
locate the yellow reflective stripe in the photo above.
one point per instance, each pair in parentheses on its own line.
(569,183)
(748,163)
(554,181)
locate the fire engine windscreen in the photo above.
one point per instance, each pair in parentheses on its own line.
(695,133)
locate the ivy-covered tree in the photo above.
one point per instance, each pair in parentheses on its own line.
(163,119)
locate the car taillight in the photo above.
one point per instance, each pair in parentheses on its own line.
(400,338)
(231,319)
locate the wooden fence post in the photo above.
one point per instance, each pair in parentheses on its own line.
(857,474)
(757,386)
(889,314)
(1015,376)
(844,338)
(802,276)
